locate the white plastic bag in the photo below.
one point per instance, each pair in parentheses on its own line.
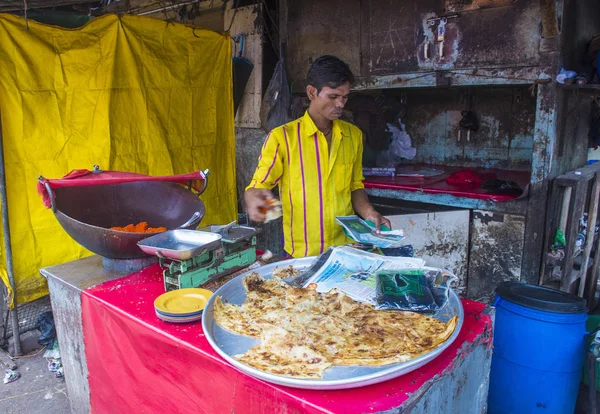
(400,147)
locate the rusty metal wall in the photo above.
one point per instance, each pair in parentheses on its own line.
(380,37)
(440,238)
(506,126)
(496,252)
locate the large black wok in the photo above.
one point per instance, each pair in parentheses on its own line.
(87,213)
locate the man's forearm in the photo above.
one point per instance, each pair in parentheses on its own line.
(361,204)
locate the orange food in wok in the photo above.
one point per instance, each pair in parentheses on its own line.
(141,227)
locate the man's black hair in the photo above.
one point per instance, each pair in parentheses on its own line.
(329,71)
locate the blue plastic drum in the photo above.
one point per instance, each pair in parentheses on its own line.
(539,350)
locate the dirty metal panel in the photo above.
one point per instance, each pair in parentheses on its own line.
(491,37)
(513,206)
(323,27)
(506,124)
(385,37)
(456,77)
(543,157)
(395,30)
(66,308)
(496,252)
(400,32)
(504,138)
(441,238)
(469,5)
(464,390)
(429,118)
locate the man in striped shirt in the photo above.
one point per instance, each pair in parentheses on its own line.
(317,163)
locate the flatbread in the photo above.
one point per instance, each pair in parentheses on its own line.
(285,272)
(281,354)
(303,332)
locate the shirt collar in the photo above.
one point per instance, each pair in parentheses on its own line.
(310,128)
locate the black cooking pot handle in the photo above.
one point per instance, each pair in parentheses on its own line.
(51,196)
(204,175)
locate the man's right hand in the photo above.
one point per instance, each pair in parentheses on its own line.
(257,204)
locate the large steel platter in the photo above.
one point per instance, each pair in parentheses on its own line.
(228,344)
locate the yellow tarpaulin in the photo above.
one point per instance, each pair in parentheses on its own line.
(127,93)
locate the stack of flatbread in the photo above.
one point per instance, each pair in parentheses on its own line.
(303,332)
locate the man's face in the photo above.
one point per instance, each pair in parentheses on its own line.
(329,102)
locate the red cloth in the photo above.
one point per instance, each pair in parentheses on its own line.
(437,184)
(135,360)
(79,178)
(466,178)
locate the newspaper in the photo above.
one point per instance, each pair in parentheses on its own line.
(359,230)
(353,272)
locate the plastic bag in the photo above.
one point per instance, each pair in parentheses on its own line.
(400,147)
(45,324)
(275,107)
(406,289)
(439,282)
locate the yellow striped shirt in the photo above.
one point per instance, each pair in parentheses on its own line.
(314,183)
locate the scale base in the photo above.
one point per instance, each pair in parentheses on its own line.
(210,265)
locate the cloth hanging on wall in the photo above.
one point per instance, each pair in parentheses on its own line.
(127,93)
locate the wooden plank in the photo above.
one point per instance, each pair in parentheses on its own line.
(575,212)
(593,280)
(551,225)
(589,241)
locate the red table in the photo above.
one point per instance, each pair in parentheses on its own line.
(138,363)
(437,184)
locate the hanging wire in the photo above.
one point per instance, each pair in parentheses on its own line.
(273,22)
(232,17)
(274,44)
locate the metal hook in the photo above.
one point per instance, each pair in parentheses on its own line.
(239,38)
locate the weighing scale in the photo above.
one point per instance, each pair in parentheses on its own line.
(191,258)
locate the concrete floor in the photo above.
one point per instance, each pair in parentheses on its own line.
(38,390)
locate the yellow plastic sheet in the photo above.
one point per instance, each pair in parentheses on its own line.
(127,93)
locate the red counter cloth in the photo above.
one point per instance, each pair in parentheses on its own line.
(138,363)
(78,178)
(437,184)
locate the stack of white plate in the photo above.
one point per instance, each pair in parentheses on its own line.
(182,305)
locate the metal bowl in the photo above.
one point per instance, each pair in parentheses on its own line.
(87,213)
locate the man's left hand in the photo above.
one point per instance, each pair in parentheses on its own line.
(378,220)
